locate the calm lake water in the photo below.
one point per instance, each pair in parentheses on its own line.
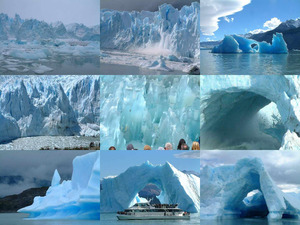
(111,219)
(250,222)
(249,64)
(18,219)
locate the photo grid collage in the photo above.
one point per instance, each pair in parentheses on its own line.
(88,87)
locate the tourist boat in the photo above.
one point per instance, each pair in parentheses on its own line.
(146,211)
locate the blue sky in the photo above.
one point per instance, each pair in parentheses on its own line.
(116,162)
(243,16)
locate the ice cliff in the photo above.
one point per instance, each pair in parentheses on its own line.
(238,44)
(224,191)
(119,193)
(149,110)
(250,112)
(78,198)
(48,106)
(175,31)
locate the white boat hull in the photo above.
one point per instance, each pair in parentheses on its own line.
(133,217)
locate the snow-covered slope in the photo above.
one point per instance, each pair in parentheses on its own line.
(168,30)
(119,193)
(224,192)
(78,198)
(230,106)
(149,110)
(48,105)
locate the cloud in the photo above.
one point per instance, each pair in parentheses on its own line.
(269,24)
(228,20)
(212,10)
(189,155)
(283,166)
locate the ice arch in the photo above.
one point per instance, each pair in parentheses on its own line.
(224,188)
(229,103)
(118,193)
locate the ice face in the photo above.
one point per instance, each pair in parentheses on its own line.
(240,107)
(119,193)
(238,44)
(168,29)
(78,198)
(224,192)
(149,110)
(48,105)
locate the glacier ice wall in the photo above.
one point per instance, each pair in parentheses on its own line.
(238,44)
(118,193)
(78,198)
(224,192)
(49,106)
(236,112)
(169,28)
(150,110)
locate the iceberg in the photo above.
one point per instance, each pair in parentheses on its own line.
(150,110)
(249,112)
(238,44)
(121,192)
(169,29)
(78,198)
(225,189)
(49,106)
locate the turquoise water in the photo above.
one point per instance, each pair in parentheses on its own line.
(249,222)
(111,219)
(249,64)
(18,219)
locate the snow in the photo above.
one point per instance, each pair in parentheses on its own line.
(238,44)
(140,110)
(224,192)
(78,198)
(48,105)
(120,192)
(236,108)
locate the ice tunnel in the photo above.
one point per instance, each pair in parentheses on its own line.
(120,192)
(225,193)
(249,112)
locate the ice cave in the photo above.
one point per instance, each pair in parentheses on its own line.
(244,190)
(78,198)
(148,110)
(120,192)
(250,112)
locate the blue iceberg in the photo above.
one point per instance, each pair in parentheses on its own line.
(78,198)
(238,44)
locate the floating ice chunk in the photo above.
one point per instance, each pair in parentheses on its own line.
(30,54)
(56,179)
(159,65)
(41,69)
(173,58)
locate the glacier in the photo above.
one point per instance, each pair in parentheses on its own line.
(120,192)
(150,110)
(225,189)
(78,198)
(49,106)
(250,112)
(166,32)
(239,44)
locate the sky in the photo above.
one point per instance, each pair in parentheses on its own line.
(66,11)
(39,165)
(283,166)
(113,163)
(220,17)
(139,5)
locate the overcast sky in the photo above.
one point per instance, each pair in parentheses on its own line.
(283,166)
(34,164)
(67,11)
(139,5)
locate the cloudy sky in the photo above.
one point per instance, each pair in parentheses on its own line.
(34,166)
(115,162)
(67,11)
(283,166)
(138,5)
(220,17)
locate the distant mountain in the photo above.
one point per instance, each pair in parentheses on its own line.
(32,29)
(290,30)
(12,203)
